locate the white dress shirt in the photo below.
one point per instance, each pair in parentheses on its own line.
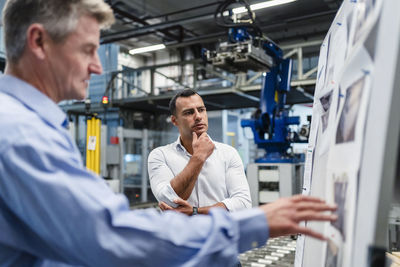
(222,178)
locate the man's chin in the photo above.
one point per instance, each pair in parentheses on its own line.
(199,132)
(80,94)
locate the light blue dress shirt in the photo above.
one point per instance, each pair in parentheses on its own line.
(53,212)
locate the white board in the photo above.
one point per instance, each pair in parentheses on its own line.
(353,148)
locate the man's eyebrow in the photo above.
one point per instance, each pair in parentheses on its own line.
(189,109)
(90,45)
(193,108)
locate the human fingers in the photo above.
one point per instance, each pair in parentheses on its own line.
(309,232)
(309,215)
(184,206)
(194,137)
(181,202)
(304,198)
(163,206)
(205,139)
(300,206)
(204,136)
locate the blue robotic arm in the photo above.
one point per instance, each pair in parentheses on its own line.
(270,125)
(245,50)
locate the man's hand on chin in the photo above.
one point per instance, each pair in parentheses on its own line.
(202,146)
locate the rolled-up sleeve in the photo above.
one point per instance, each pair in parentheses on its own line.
(160,176)
(236,184)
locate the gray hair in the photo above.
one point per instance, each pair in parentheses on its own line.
(58,17)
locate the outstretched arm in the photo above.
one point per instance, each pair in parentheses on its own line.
(69,215)
(283,216)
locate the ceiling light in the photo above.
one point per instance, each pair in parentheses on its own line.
(262,5)
(146,49)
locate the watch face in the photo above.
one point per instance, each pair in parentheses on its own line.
(195,211)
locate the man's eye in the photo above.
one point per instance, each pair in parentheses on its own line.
(89,50)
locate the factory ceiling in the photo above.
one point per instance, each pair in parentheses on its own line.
(181,24)
(178,23)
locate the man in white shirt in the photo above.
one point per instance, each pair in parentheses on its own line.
(196,173)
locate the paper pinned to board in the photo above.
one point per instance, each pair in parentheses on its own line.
(92,143)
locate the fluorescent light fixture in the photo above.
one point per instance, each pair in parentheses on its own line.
(146,49)
(262,5)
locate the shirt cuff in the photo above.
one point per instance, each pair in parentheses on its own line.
(253,228)
(168,196)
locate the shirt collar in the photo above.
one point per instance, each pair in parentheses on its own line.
(178,144)
(33,99)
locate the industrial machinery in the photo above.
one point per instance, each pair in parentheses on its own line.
(279,251)
(278,173)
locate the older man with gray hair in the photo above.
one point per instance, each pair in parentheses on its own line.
(53,212)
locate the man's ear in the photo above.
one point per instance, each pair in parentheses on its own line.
(36,37)
(173,120)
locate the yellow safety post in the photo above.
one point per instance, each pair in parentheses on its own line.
(88,134)
(97,150)
(93,144)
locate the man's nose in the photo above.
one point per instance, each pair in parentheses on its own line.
(197,115)
(95,66)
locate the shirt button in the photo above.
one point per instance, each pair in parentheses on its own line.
(254,244)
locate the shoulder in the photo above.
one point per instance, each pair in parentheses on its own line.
(17,121)
(14,112)
(227,152)
(162,151)
(224,147)
(22,126)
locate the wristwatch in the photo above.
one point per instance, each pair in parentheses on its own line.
(195,211)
